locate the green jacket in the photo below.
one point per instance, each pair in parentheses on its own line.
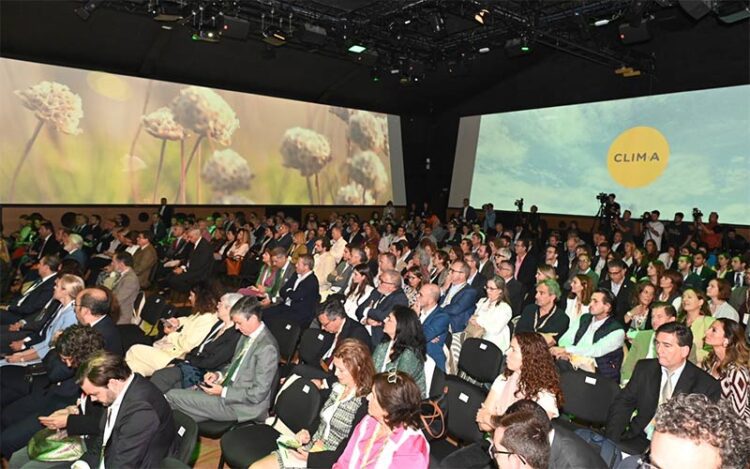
(638,351)
(408,362)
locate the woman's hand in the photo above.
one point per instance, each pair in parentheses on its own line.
(303,436)
(56,420)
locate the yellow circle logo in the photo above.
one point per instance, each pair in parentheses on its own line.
(638,156)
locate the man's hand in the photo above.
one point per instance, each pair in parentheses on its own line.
(177,271)
(17,345)
(15,358)
(15,327)
(212,389)
(373,322)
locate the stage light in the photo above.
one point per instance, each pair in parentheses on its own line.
(206,35)
(274,36)
(517,46)
(438,23)
(357,48)
(484,50)
(481,16)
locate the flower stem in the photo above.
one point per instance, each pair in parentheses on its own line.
(309,190)
(198,176)
(183,172)
(158,171)
(364,196)
(183,180)
(317,189)
(25,155)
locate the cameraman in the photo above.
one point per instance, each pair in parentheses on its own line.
(678,233)
(626,225)
(710,233)
(653,229)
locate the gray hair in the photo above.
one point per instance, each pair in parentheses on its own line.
(394,277)
(247,306)
(230,299)
(75,240)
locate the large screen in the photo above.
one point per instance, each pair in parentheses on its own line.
(669,152)
(70,136)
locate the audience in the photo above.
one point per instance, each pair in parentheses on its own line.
(126,285)
(520,440)
(729,362)
(403,347)
(642,342)
(435,322)
(545,317)
(697,316)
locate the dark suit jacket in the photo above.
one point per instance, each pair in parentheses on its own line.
(380,308)
(622,301)
(642,394)
(527,274)
(300,303)
(515,295)
(436,327)
(471,214)
(35,299)
(108,329)
(79,256)
(557,323)
(199,263)
(51,247)
(283,242)
(461,307)
(217,353)
(144,432)
(478,284)
(354,330)
(569,451)
(35,322)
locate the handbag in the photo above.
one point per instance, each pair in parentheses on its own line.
(473,331)
(48,445)
(432,415)
(233,266)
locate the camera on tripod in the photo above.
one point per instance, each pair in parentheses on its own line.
(602,198)
(697,214)
(519,204)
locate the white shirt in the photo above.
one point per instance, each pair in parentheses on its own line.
(424,315)
(588,348)
(616,287)
(648,234)
(337,249)
(675,377)
(300,278)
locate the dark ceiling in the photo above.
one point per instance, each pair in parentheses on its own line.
(443,72)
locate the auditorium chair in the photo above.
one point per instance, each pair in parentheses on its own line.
(312,346)
(588,397)
(481,361)
(187,433)
(287,334)
(297,407)
(154,308)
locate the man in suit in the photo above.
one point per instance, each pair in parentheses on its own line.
(325,264)
(157,229)
(655,381)
(459,299)
(642,342)
(515,290)
(552,259)
(198,266)
(126,286)
(468,214)
(340,277)
(74,248)
(435,322)
(94,309)
(139,430)
(524,267)
(242,390)
(36,296)
(476,280)
(299,297)
(380,303)
(599,263)
(690,280)
(704,272)
(145,258)
(620,286)
(355,236)
(283,238)
(333,319)
(45,245)
(486,267)
(284,270)
(26,327)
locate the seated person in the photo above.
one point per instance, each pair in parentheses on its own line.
(530,373)
(520,440)
(242,390)
(598,336)
(140,431)
(197,267)
(654,382)
(212,353)
(403,346)
(51,393)
(299,297)
(126,286)
(36,296)
(266,277)
(459,299)
(545,317)
(284,270)
(435,322)
(343,410)
(381,302)
(74,249)
(145,258)
(642,342)
(181,334)
(692,431)
(392,423)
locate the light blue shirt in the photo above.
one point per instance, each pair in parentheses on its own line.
(64,318)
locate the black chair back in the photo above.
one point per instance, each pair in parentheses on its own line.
(587,396)
(462,401)
(313,345)
(287,335)
(298,405)
(187,434)
(481,360)
(156,307)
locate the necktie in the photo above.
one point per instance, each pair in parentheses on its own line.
(107,436)
(738,279)
(666,390)
(229,378)
(50,319)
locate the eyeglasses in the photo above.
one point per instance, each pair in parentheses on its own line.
(487,287)
(494,452)
(455,271)
(614,272)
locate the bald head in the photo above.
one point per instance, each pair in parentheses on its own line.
(429,295)
(92,304)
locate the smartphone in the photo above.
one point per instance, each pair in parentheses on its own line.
(204,384)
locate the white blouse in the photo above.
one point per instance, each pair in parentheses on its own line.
(353,301)
(494,318)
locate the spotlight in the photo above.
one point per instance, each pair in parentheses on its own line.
(482,15)
(484,50)
(438,23)
(85,11)
(274,36)
(206,35)
(357,48)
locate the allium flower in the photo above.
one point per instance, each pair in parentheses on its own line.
(227,171)
(231,199)
(132,163)
(204,112)
(305,150)
(366,131)
(161,124)
(366,168)
(351,194)
(55,104)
